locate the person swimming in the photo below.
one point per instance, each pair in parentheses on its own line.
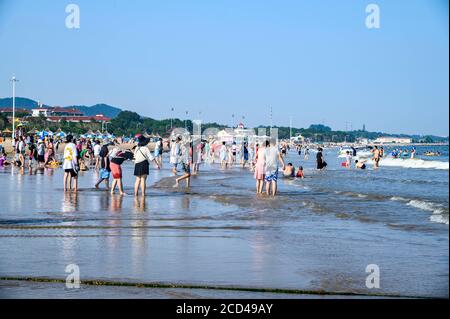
(289,170)
(300,173)
(360,165)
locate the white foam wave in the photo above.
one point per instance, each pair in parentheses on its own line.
(399,199)
(440,215)
(414,163)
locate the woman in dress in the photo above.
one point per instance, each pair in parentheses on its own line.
(259,169)
(321,164)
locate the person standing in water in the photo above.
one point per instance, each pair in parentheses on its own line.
(105,169)
(321,164)
(117,159)
(376,157)
(70,165)
(245,154)
(159,151)
(272,157)
(306,153)
(185,160)
(259,169)
(175,152)
(142,157)
(224,155)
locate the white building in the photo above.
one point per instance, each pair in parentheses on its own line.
(392,140)
(40,111)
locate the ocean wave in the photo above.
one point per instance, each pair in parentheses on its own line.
(440,214)
(414,163)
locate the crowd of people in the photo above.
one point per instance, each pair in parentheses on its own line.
(266,160)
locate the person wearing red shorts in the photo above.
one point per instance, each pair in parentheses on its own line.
(118,157)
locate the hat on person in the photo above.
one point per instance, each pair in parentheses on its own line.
(143,141)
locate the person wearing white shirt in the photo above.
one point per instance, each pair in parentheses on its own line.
(142,159)
(70,164)
(175,153)
(97,149)
(272,156)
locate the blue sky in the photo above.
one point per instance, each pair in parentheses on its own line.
(313,60)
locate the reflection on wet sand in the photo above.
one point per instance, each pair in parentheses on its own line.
(139,236)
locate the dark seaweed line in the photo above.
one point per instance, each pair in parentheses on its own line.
(127,227)
(109,283)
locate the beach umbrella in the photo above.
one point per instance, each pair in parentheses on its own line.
(60,134)
(42,134)
(7,131)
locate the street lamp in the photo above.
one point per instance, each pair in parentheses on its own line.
(171,119)
(14,80)
(185,121)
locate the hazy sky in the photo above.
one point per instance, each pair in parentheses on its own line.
(313,60)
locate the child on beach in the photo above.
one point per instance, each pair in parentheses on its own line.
(300,172)
(3,159)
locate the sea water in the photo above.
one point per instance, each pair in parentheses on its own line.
(318,234)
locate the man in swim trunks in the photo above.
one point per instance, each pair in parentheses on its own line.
(272,157)
(376,157)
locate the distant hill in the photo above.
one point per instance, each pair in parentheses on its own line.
(105,109)
(25,103)
(21,102)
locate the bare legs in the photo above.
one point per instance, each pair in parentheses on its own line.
(186,177)
(141,182)
(117,182)
(259,186)
(274,188)
(68,182)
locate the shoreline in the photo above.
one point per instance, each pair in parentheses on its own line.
(187,286)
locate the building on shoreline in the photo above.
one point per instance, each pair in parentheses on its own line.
(392,140)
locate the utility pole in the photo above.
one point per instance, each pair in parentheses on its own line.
(171,119)
(290,128)
(14,80)
(271,118)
